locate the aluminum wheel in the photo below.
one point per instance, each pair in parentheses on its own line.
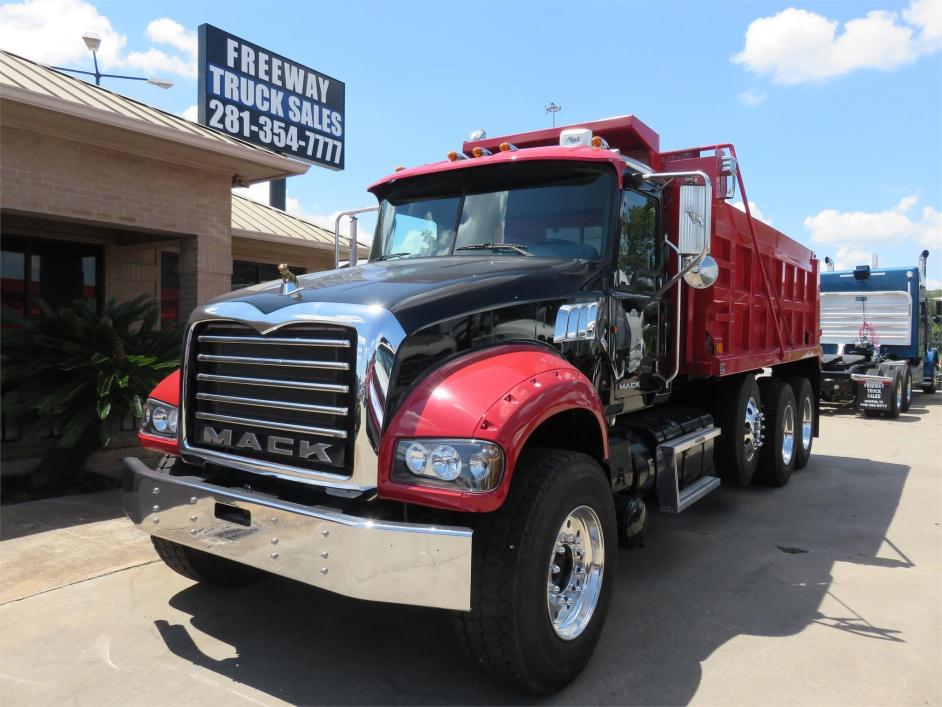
(788,434)
(807,424)
(752,437)
(899,395)
(576,566)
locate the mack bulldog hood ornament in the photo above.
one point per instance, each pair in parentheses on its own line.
(289,281)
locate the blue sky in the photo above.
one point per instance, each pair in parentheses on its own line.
(835,108)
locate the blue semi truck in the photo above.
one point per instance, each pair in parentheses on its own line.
(875,326)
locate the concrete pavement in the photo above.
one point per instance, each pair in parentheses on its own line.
(828,591)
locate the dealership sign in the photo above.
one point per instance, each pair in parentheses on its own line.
(263,98)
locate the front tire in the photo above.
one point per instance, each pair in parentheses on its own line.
(516,632)
(205,568)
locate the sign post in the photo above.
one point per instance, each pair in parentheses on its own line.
(265,99)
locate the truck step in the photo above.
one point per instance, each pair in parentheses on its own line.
(697,490)
(688,456)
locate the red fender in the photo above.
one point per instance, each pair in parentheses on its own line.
(167,391)
(501,394)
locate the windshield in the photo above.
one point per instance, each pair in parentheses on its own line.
(545,209)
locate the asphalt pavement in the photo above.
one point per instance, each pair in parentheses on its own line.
(825,592)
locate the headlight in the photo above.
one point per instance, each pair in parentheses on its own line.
(159,419)
(462,464)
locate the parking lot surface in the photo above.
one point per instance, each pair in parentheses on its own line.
(828,591)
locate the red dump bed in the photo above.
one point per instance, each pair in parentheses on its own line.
(763,309)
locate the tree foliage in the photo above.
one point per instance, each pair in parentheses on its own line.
(78,372)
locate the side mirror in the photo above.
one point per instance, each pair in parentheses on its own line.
(694,227)
(704,274)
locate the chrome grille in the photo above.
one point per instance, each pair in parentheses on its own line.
(285,398)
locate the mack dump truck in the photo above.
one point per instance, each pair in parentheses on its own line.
(556,332)
(875,328)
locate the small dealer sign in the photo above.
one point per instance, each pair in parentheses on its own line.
(263,98)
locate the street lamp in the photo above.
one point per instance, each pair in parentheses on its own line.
(93,42)
(553,109)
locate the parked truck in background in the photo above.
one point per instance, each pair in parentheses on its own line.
(556,331)
(875,330)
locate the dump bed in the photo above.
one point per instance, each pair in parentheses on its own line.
(763,309)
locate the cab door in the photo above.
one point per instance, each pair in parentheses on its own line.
(637,318)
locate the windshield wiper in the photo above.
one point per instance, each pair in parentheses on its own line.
(390,256)
(515,247)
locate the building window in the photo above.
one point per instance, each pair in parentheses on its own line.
(56,272)
(245,273)
(169,288)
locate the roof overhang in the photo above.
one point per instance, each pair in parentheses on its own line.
(363,250)
(74,121)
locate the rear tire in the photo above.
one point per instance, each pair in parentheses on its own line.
(510,633)
(205,568)
(777,456)
(896,396)
(804,430)
(907,390)
(739,410)
(929,388)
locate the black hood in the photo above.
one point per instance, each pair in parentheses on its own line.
(423,291)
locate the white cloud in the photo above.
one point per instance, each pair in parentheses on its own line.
(798,46)
(167,31)
(192,113)
(50,32)
(886,228)
(927,15)
(933,284)
(848,258)
(752,97)
(156,61)
(754,209)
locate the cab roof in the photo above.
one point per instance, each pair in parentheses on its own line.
(626,136)
(546,154)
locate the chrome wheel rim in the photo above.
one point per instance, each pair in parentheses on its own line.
(574,579)
(752,437)
(899,395)
(807,423)
(788,434)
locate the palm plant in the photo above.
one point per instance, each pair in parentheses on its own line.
(79,372)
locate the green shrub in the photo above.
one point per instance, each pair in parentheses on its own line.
(78,372)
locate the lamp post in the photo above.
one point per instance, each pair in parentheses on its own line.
(553,109)
(93,42)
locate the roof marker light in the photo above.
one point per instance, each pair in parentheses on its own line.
(480,151)
(453,155)
(399,168)
(508,147)
(598,142)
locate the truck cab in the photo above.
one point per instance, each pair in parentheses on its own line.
(875,337)
(555,332)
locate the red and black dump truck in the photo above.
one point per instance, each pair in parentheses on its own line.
(556,333)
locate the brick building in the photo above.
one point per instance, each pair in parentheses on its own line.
(105,197)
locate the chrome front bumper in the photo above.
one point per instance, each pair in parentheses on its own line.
(401,563)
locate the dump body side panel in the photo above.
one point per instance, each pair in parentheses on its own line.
(763,309)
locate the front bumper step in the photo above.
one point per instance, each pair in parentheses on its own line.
(386,561)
